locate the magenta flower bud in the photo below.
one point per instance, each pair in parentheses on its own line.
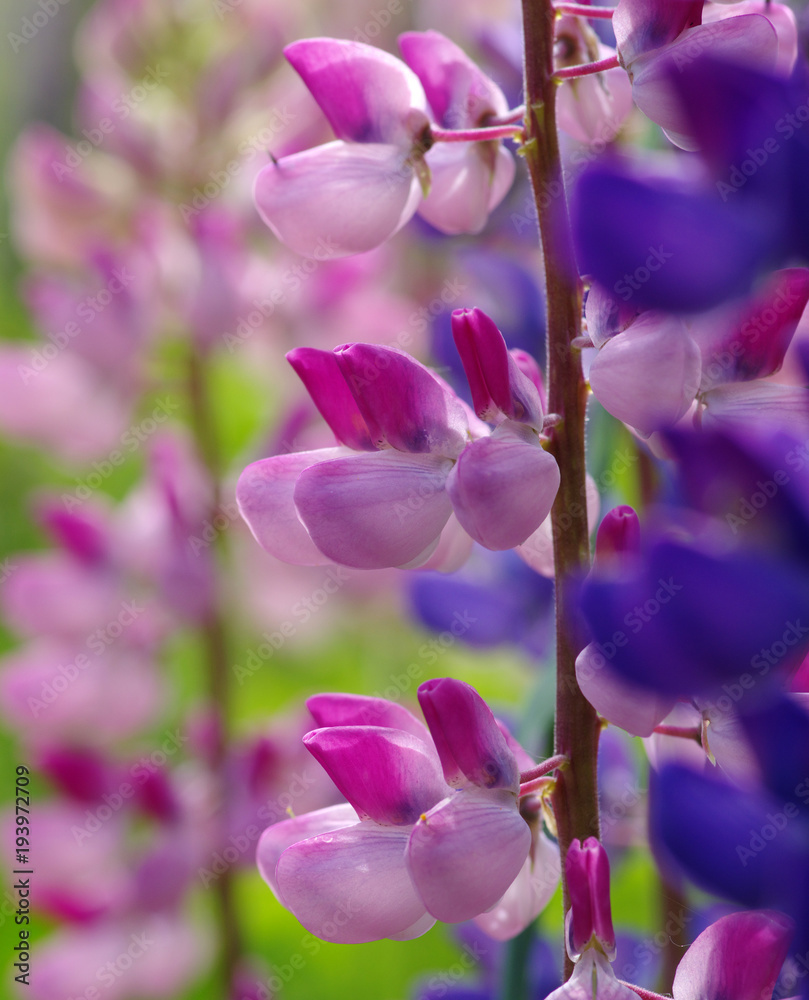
(587,869)
(497,383)
(618,535)
(470,745)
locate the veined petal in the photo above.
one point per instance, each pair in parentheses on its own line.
(635,710)
(503,487)
(465,853)
(648,375)
(592,979)
(375,510)
(643,25)
(264,494)
(738,956)
(460,94)
(320,373)
(462,187)
(362,710)
(470,744)
(367,94)
(749,40)
(388,775)
(528,894)
(593,108)
(404,405)
(351,886)
(762,404)
(337,199)
(780,17)
(278,837)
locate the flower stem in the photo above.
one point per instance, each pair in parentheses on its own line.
(483,134)
(586,69)
(577,727)
(551,764)
(684,732)
(214,638)
(583,10)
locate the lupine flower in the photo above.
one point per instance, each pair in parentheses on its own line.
(406,463)
(652,370)
(432,831)
(357,191)
(688,244)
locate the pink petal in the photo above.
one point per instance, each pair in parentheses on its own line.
(725,740)
(497,383)
(377,510)
(537,550)
(593,108)
(749,40)
(388,775)
(278,837)
(780,17)
(528,894)
(618,537)
(606,315)
(470,744)
(738,956)
(320,373)
(361,710)
(632,709)
(468,179)
(404,405)
(264,494)
(453,549)
(351,886)
(503,487)
(465,853)
(587,872)
(460,94)
(643,25)
(337,199)
(749,341)
(593,979)
(367,94)
(648,375)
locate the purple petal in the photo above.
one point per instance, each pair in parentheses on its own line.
(643,25)
(497,383)
(388,775)
(635,710)
(503,487)
(648,375)
(466,852)
(403,403)
(361,710)
(528,894)
(460,94)
(351,886)
(337,199)
(750,41)
(739,956)
(377,510)
(320,373)
(756,404)
(587,871)
(780,17)
(367,94)
(278,837)
(618,536)
(264,494)
(470,745)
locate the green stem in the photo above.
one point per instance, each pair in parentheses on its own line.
(215,643)
(577,726)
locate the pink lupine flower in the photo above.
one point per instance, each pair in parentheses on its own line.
(653,37)
(405,464)
(590,108)
(590,938)
(467,179)
(350,195)
(432,831)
